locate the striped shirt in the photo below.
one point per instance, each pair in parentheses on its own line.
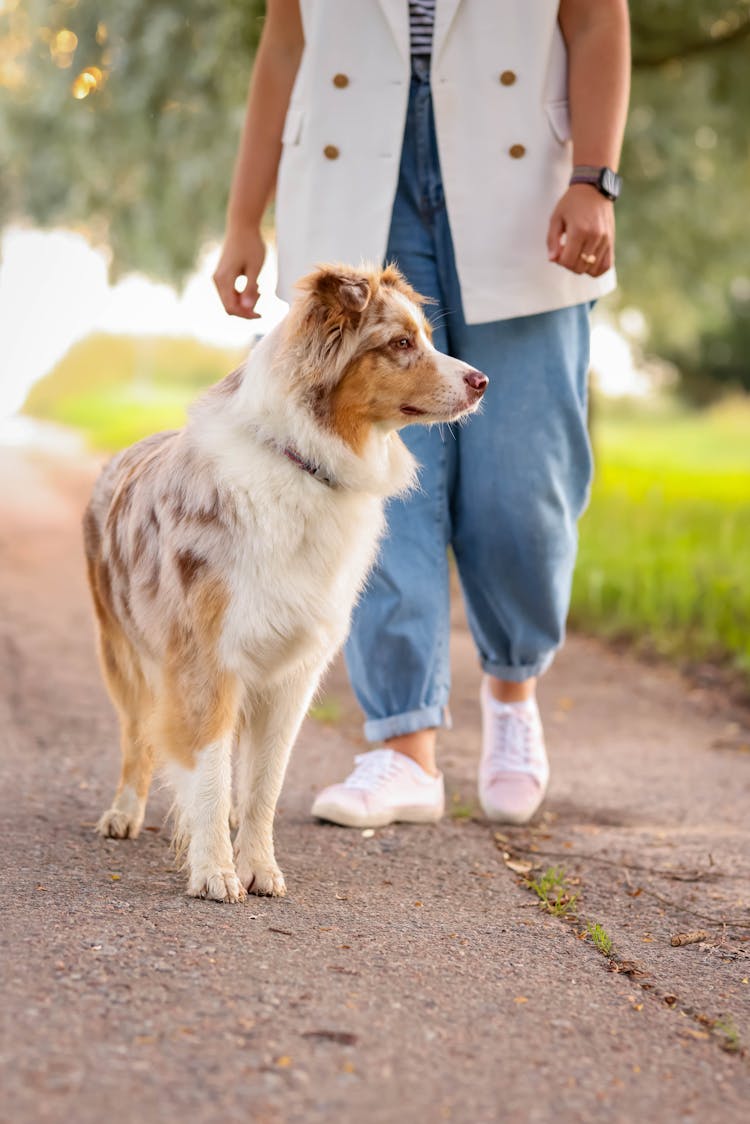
(421,23)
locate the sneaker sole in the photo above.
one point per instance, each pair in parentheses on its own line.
(412,814)
(497,815)
(516,818)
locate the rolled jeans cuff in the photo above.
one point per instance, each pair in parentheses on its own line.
(381,729)
(521,672)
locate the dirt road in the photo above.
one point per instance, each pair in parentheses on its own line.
(409,976)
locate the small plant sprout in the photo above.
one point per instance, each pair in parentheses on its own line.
(600,937)
(553,892)
(726,1027)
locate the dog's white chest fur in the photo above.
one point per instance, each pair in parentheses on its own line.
(296,572)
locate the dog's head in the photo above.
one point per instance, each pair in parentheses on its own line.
(363,354)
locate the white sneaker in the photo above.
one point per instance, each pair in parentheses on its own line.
(514,770)
(385,787)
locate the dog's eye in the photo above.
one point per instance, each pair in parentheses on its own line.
(403,343)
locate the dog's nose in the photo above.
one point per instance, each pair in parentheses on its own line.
(476,380)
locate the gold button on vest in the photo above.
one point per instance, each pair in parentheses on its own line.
(331,152)
(507,78)
(340,80)
(517,151)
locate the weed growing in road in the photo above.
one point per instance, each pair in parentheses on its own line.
(600,937)
(726,1027)
(553,891)
(461,809)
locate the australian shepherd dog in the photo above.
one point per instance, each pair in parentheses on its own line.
(224,559)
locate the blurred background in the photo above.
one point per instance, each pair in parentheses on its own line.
(118,129)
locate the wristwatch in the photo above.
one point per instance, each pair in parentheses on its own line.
(603,179)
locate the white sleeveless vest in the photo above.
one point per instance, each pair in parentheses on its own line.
(499,88)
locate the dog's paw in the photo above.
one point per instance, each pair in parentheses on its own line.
(261,878)
(116,824)
(218,886)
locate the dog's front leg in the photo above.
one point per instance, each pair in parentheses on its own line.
(268,730)
(203,801)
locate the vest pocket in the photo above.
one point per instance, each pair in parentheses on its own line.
(558,115)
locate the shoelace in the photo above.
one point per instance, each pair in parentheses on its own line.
(372,770)
(515,740)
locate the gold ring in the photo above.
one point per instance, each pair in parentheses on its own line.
(588,258)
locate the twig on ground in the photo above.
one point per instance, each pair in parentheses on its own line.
(689,938)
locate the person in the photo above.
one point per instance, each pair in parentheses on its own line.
(474,143)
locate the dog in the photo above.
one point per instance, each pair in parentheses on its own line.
(224,559)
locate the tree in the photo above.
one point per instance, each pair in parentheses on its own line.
(682,231)
(124,119)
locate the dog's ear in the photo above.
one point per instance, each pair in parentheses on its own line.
(328,314)
(350,292)
(341,290)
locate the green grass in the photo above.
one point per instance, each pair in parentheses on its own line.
(118,416)
(117,389)
(665,545)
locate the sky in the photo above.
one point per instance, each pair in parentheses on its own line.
(54,291)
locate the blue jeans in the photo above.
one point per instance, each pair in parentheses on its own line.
(504,491)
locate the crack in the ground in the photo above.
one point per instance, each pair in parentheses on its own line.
(556,899)
(624,866)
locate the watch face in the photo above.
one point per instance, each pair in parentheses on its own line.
(610,183)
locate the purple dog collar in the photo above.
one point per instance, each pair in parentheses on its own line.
(311,469)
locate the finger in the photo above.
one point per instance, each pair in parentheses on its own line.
(602,253)
(235,303)
(607,261)
(590,255)
(225,288)
(570,257)
(596,268)
(243,299)
(555,233)
(248,297)
(246,311)
(247,294)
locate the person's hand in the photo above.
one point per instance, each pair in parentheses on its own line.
(242,256)
(581,234)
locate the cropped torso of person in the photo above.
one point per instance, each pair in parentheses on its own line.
(500,98)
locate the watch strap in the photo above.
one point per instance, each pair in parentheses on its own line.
(607,182)
(585,177)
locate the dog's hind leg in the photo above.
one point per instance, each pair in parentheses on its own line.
(125,818)
(131,698)
(268,729)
